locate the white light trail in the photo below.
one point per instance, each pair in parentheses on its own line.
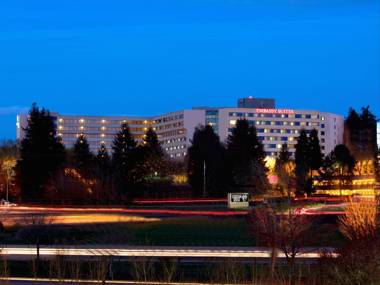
(15,251)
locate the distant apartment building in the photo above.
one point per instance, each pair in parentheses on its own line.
(175,130)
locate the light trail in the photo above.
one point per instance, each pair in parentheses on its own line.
(178,201)
(193,252)
(129,211)
(17,280)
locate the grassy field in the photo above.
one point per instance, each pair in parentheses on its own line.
(181,231)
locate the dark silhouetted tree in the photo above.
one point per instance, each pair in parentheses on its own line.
(102,157)
(103,164)
(41,154)
(360,134)
(123,161)
(82,155)
(206,163)
(302,161)
(316,156)
(246,158)
(151,162)
(339,165)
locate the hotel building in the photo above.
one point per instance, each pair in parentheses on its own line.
(175,130)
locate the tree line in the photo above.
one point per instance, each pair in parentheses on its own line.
(46,171)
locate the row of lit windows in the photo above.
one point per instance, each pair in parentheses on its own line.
(172,133)
(271,115)
(169,126)
(103,121)
(97,129)
(284,139)
(168,119)
(280,123)
(175,147)
(180,154)
(182,139)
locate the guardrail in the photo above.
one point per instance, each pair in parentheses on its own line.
(22,251)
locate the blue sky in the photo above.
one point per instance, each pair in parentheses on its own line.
(149,56)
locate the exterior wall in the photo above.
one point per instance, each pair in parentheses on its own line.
(278,126)
(175,130)
(98,129)
(331,131)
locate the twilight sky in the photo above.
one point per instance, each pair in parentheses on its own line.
(146,57)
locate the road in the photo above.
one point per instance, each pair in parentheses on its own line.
(32,281)
(15,252)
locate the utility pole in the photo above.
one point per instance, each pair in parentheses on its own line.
(204,178)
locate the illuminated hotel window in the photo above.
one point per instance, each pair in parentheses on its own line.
(232,122)
(322,118)
(81,120)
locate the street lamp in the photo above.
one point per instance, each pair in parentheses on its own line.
(204,178)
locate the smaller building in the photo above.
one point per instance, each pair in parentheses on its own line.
(262,103)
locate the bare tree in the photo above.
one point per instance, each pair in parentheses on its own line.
(282,230)
(36,230)
(293,228)
(143,269)
(98,269)
(359,220)
(169,269)
(268,231)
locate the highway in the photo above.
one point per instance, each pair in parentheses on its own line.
(15,252)
(42,281)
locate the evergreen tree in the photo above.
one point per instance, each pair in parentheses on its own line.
(82,154)
(150,158)
(360,134)
(206,163)
(123,145)
(152,144)
(102,157)
(103,172)
(377,166)
(124,149)
(246,158)
(368,144)
(315,156)
(339,164)
(41,154)
(302,161)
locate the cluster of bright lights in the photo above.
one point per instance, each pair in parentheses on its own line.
(72,172)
